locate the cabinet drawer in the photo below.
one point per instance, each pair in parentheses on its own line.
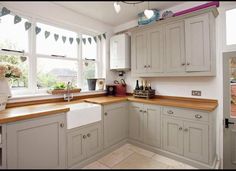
(186,113)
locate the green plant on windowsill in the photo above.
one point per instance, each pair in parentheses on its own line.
(61,88)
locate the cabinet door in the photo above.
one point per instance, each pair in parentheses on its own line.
(139,52)
(75,146)
(93,139)
(36,143)
(155,50)
(196,141)
(135,121)
(174,47)
(173,135)
(197,43)
(115,123)
(152,125)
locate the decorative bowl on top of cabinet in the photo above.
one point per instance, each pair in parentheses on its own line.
(177,46)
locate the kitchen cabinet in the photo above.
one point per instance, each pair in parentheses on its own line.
(178,46)
(148,51)
(36,143)
(186,137)
(145,123)
(83,142)
(174,47)
(197,34)
(115,123)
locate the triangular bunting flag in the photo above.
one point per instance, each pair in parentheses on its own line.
(27,25)
(78,40)
(46,33)
(37,30)
(56,36)
(104,35)
(90,40)
(17,19)
(71,40)
(95,39)
(100,37)
(5,11)
(84,40)
(64,39)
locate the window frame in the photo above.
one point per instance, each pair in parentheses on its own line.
(33,56)
(226,47)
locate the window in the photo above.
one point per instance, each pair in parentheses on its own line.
(47,59)
(90,62)
(230,27)
(14,47)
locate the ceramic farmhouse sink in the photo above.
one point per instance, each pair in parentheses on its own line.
(82,114)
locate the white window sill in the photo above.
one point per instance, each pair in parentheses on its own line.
(42,96)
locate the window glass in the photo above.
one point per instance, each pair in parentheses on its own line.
(22,63)
(89,50)
(49,45)
(13,36)
(231,27)
(89,71)
(52,71)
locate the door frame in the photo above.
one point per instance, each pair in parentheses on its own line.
(226,91)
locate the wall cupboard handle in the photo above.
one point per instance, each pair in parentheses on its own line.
(170,112)
(183,64)
(105,113)
(144,111)
(88,135)
(62,125)
(149,66)
(180,128)
(145,66)
(84,136)
(140,110)
(188,63)
(198,116)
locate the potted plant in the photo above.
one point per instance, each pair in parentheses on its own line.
(8,71)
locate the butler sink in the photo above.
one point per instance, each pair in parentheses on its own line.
(82,114)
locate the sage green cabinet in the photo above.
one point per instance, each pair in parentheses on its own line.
(145,123)
(83,142)
(115,122)
(37,143)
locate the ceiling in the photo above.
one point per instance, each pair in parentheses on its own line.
(104,10)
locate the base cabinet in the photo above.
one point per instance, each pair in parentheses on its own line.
(115,123)
(145,123)
(190,137)
(83,142)
(36,143)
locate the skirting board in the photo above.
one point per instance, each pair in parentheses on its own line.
(176,157)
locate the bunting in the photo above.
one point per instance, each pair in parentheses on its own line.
(17,19)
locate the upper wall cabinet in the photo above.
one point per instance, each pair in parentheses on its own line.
(178,46)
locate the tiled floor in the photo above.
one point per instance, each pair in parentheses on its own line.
(131,157)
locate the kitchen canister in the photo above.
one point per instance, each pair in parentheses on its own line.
(3,101)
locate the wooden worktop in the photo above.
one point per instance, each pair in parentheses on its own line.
(33,111)
(28,112)
(192,103)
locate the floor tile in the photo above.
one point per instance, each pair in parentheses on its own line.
(116,156)
(172,163)
(96,165)
(141,151)
(138,161)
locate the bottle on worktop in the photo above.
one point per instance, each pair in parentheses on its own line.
(137,85)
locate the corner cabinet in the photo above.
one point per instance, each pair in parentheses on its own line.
(37,143)
(177,46)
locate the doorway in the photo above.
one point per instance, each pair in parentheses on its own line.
(229,109)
